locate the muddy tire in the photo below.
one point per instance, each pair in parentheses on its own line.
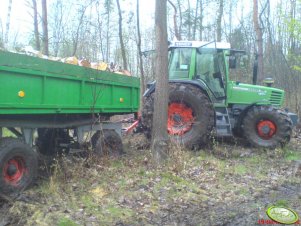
(107,143)
(18,165)
(267,127)
(190,116)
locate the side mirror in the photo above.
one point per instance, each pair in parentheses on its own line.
(232,62)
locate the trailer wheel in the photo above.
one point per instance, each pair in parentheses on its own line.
(18,165)
(267,127)
(190,115)
(107,143)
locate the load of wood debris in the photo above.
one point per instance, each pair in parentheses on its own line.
(102,66)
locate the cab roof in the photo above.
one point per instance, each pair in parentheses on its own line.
(197,44)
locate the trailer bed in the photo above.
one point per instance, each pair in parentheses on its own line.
(31,85)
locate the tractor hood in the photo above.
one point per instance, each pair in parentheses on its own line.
(241,93)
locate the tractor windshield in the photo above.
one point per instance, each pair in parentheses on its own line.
(179,63)
(210,69)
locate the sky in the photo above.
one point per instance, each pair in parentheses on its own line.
(21,22)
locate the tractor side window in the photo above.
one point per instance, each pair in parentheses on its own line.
(180,63)
(208,69)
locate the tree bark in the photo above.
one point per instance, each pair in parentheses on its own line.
(45,28)
(201,19)
(81,19)
(36,25)
(159,133)
(142,80)
(181,18)
(259,40)
(125,66)
(219,21)
(8,21)
(195,19)
(177,34)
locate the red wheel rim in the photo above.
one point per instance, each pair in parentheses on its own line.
(180,119)
(266,129)
(14,170)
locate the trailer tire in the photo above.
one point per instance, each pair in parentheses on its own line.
(18,165)
(190,115)
(267,127)
(107,143)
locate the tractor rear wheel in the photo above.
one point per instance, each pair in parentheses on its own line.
(18,165)
(267,127)
(190,115)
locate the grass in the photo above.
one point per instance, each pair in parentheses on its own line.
(129,188)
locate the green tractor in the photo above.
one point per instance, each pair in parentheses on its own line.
(203,101)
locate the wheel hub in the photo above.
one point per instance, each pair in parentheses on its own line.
(266,129)
(177,118)
(14,170)
(11,170)
(180,119)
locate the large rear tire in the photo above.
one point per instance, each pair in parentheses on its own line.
(267,127)
(190,115)
(18,165)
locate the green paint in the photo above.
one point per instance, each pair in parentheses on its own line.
(53,87)
(203,67)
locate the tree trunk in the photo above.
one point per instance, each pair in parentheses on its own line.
(201,19)
(189,20)
(259,40)
(8,21)
(177,34)
(219,21)
(195,19)
(36,25)
(142,82)
(45,28)
(125,67)
(81,20)
(181,18)
(159,133)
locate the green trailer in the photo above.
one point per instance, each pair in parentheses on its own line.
(49,106)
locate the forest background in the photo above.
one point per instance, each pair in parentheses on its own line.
(120,30)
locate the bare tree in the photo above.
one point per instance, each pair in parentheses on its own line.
(45,28)
(177,34)
(82,12)
(8,21)
(201,19)
(142,80)
(259,40)
(36,25)
(219,21)
(121,37)
(159,133)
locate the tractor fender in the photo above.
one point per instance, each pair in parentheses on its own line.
(199,84)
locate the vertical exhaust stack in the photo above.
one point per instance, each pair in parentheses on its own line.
(268,82)
(255,70)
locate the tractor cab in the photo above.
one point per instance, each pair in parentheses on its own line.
(202,62)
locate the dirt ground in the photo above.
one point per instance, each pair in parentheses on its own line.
(228,183)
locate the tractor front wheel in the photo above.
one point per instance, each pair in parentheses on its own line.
(267,127)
